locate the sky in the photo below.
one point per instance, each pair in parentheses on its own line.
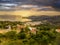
(36,2)
(10,4)
(32,7)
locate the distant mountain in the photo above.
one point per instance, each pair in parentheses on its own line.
(51,19)
(10,18)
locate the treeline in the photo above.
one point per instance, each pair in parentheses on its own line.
(5,24)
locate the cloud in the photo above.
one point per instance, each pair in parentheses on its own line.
(29,6)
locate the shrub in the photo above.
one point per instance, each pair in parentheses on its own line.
(21,35)
(11,35)
(13,42)
(1,35)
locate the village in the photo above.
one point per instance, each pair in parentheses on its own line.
(6,27)
(19,27)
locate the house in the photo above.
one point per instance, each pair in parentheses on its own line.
(33,30)
(57,30)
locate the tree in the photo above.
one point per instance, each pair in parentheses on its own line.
(11,35)
(45,35)
(21,35)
